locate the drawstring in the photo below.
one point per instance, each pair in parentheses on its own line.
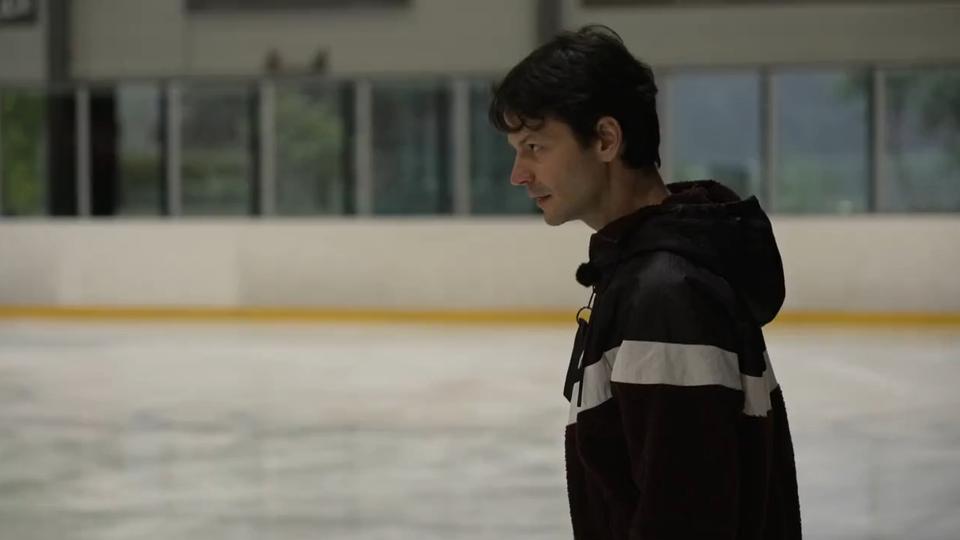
(584,322)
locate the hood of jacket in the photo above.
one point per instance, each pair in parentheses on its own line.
(708,224)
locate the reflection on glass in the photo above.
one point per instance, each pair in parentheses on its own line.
(491,160)
(218,151)
(822,142)
(716,129)
(23,152)
(922,119)
(139,141)
(411,150)
(312,156)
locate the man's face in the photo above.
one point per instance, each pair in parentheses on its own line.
(562,176)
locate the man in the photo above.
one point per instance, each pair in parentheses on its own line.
(677,425)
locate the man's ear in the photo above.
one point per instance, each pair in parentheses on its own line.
(609,139)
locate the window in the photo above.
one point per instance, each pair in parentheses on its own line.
(312,149)
(411,148)
(138,149)
(274,5)
(23,152)
(922,162)
(491,161)
(218,168)
(715,129)
(711,3)
(824,125)
(18,12)
(821,142)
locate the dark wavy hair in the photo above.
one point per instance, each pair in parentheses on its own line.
(578,78)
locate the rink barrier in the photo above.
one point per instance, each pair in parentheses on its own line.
(457,317)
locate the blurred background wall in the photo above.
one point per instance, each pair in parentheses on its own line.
(336,154)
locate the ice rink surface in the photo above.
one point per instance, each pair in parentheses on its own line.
(289,431)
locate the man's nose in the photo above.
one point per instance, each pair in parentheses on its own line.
(520,175)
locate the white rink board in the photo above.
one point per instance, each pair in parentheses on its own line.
(852,264)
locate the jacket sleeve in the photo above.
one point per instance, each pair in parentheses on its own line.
(676,382)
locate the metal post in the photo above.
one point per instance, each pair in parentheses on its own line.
(1,155)
(268,148)
(878,139)
(363,147)
(460,128)
(82,95)
(174,172)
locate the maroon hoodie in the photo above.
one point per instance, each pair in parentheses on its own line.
(677,425)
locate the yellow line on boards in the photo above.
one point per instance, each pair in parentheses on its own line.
(868,318)
(344,315)
(459,317)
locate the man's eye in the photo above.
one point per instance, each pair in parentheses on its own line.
(533,147)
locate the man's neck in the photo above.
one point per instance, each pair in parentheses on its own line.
(629,190)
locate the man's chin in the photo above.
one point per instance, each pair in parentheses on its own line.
(553,221)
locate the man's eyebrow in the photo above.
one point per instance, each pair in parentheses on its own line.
(524,139)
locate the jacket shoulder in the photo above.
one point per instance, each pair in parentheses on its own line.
(659,274)
(662,296)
